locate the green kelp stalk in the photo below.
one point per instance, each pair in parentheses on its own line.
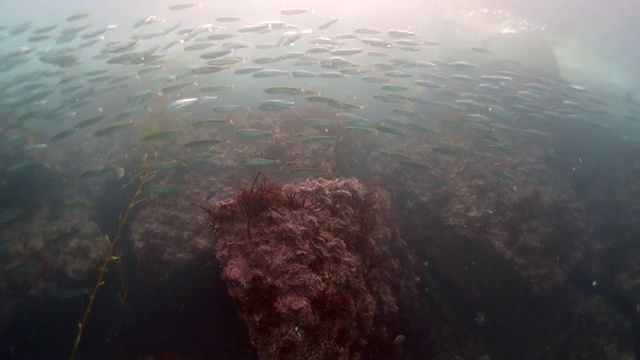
(143,178)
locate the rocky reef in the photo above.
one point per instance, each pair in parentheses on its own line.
(317,269)
(503,238)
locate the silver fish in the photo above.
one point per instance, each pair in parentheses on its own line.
(182,103)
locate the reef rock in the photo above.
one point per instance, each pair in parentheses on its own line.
(317,269)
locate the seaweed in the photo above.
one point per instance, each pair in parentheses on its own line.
(142,178)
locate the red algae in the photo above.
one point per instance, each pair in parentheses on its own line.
(316,268)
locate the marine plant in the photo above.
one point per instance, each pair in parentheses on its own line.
(314,268)
(142,178)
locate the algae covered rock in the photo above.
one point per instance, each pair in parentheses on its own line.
(316,268)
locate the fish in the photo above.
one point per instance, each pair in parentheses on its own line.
(346,51)
(253,28)
(354,71)
(113,129)
(476,118)
(198,159)
(18,269)
(463,65)
(163,188)
(538,133)
(374,80)
(398,74)
(45,29)
(71,294)
(500,175)
(307,171)
(265,60)
(413,164)
(63,134)
(395,121)
(387,129)
(332,75)
(355,120)
(259,162)
(302,74)
(161,135)
(421,100)
(481,50)
(200,46)
(95,72)
(218,37)
(89,122)
(228,108)
(167,165)
(96,173)
(453,150)
(394,88)
(375,42)
(9,215)
(337,62)
(396,156)
(65,57)
(20,165)
(148,21)
(196,144)
(228,19)
(268,73)
(428,84)
(288,90)
(64,236)
(215,54)
(406,42)
(125,113)
(252,133)
(179,7)
(182,103)
(328,24)
(150,69)
(359,130)
(215,88)
(377,54)
(323,123)
(175,87)
(367,31)
(332,102)
(247,70)
(38,38)
(16,139)
(409,113)
(93,33)
(236,45)
(321,139)
(33,147)
(202,70)
(399,34)
(226,61)
(296,11)
(74,205)
(210,122)
(275,105)
(77,17)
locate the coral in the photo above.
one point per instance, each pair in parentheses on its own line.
(316,268)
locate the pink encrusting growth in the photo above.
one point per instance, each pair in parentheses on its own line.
(316,268)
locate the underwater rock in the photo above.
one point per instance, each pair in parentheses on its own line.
(510,214)
(317,269)
(168,232)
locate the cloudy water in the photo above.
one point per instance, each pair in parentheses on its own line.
(319,180)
